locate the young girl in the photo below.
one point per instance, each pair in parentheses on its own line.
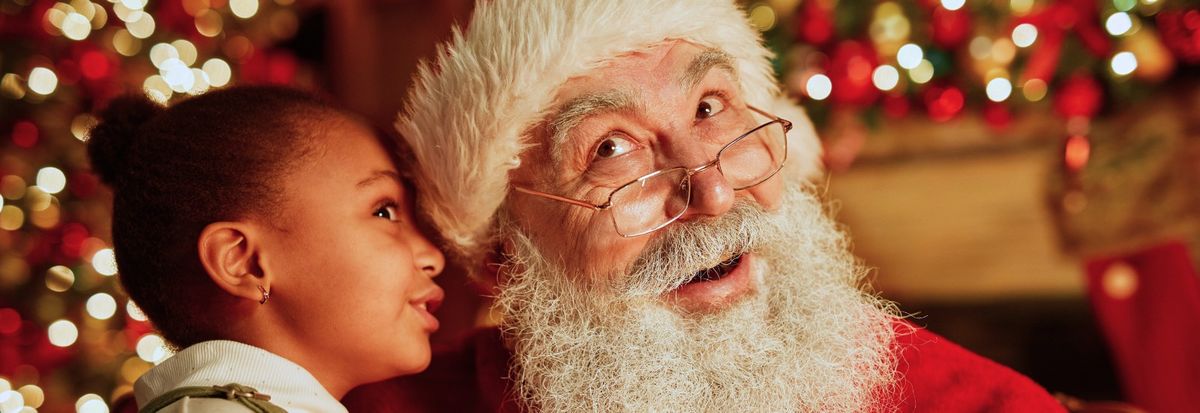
(270,237)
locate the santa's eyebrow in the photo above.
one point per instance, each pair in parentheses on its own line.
(702,63)
(576,110)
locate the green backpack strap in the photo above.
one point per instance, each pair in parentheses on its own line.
(247,396)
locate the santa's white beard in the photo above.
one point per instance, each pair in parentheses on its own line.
(807,339)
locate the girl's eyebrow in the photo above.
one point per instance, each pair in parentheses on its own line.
(378,175)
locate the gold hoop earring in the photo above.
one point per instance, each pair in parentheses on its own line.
(265,295)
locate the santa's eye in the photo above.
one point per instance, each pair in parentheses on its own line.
(708,107)
(613,146)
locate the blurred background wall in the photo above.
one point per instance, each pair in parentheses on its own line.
(1023,174)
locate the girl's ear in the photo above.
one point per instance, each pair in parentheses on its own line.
(229,252)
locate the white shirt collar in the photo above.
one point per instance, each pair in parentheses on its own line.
(222,362)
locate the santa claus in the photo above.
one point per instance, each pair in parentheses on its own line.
(628,176)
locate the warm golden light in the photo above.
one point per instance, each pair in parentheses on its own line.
(81,125)
(42,81)
(101,306)
(12,187)
(161,52)
(762,17)
(11,218)
(1021,7)
(186,51)
(140,24)
(194,7)
(125,44)
(134,311)
(1003,51)
(62,333)
(59,278)
(243,8)
(922,73)
(157,89)
(95,405)
(1024,35)
(51,179)
(1034,89)
(10,86)
(200,83)
(76,27)
(209,23)
(105,262)
(885,77)
(152,348)
(34,396)
(218,72)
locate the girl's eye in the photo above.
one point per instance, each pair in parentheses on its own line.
(709,106)
(612,147)
(388,212)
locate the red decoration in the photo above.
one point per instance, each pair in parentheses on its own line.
(943,103)
(997,115)
(951,28)
(1181,33)
(1054,24)
(94,65)
(1076,152)
(850,70)
(814,22)
(1080,95)
(1148,306)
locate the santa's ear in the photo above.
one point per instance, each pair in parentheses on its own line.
(230,254)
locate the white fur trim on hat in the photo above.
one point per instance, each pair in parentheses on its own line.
(468,113)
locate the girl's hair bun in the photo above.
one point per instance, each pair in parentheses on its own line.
(111,140)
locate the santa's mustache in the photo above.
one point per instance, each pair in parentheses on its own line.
(682,249)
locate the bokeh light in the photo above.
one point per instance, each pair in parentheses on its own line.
(152,348)
(59,278)
(91,403)
(218,72)
(140,24)
(101,306)
(1024,35)
(1118,23)
(1124,63)
(243,8)
(34,395)
(51,179)
(922,73)
(42,81)
(885,77)
(909,56)
(1034,89)
(999,89)
(134,311)
(186,51)
(62,333)
(819,87)
(11,401)
(105,262)
(953,4)
(76,27)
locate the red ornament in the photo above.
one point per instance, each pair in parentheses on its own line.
(813,24)
(943,103)
(1181,33)
(850,70)
(94,65)
(997,116)
(950,27)
(1080,95)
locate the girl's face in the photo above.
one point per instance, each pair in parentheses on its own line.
(352,274)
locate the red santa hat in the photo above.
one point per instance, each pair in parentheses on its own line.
(469,112)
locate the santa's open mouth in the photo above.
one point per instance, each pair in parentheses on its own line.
(718,271)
